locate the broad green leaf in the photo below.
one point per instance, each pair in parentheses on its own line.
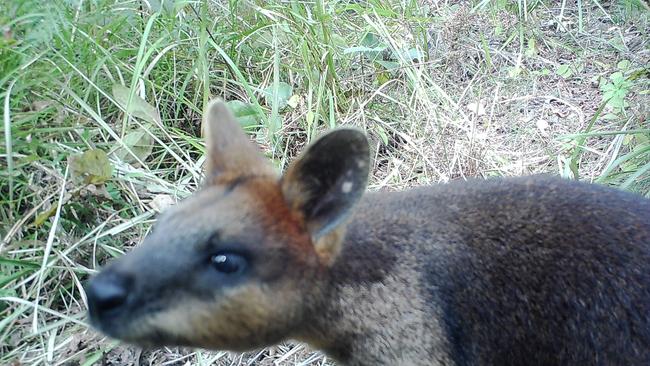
(617,77)
(411,54)
(642,138)
(246,114)
(91,167)
(498,30)
(374,44)
(284,93)
(338,40)
(610,116)
(608,88)
(139,142)
(609,94)
(138,108)
(363,49)
(623,65)
(388,65)
(564,71)
(617,43)
(371,40)
(628,139)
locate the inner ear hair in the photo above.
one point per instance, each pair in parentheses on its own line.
(327,180)
(328,246)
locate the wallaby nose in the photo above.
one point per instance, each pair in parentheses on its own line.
(107,291)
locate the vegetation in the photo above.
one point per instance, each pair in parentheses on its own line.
(102,106)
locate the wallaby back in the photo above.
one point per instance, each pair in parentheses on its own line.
(519,271)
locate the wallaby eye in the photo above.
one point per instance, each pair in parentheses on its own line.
(228,262)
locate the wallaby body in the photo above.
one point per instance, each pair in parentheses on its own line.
(519,271)
(523,271)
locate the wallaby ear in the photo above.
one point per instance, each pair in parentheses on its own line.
(230,153)
(328,178)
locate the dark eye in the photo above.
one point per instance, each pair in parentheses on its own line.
(228,262)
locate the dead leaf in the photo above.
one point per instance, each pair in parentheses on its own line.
(39,105)
(7,34)
(293,101)
(91,167)
(139,142)
(43,216)
(160,202)
(99,191)
(138,108)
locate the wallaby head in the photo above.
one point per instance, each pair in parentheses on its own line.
(238,264)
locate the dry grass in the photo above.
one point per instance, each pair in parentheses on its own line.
(486,91)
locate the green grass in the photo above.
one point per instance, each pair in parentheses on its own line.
(444,92)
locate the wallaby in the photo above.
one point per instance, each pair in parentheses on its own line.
(517,271)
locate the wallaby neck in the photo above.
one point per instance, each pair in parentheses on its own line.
(371,311)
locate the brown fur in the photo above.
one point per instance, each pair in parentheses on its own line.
(535,271)
(230,151)
(520,287)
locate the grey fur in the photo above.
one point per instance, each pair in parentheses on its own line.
(523,271)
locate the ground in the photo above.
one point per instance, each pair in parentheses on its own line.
(102,129)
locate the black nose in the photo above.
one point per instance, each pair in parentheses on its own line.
(107,291)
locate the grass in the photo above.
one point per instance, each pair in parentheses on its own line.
(101,121)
